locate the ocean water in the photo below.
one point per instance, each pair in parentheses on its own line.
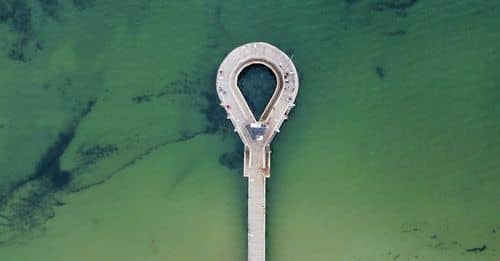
(112,146)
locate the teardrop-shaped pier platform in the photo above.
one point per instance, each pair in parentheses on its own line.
(257,135)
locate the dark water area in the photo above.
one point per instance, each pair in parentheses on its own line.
(113,145)
(257,84)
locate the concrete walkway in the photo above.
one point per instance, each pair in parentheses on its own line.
(257,135)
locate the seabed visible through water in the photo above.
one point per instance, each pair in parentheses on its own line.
(391,155)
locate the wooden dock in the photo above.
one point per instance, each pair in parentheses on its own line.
(257,135)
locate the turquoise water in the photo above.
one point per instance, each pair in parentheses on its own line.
(113,148)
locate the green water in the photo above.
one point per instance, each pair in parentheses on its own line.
(257,83)
(111,139)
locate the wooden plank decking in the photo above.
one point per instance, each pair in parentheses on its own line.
(257,156)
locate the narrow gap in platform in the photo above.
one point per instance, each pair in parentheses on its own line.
(257,84)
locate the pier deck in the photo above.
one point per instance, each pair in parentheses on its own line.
(257,134)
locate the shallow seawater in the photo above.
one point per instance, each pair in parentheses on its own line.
(257,83)
(112,146)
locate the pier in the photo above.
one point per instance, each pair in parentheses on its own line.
(257,134)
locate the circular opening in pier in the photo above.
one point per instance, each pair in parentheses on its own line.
(257,83)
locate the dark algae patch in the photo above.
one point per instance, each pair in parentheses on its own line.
(92,154)
(351,2)
(399,32)
(477,249)
(49,165)
(396,5)
(214,114)
(380,71)
(185,86)
(399,7)
(83,4)
(234,159)
(440,242)
(29,203)
(189,84)
(141,98)
(17,50)
(17,15)
(50,7)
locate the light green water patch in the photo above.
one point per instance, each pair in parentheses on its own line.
(396,162)
(153,88)
(159,209)
(107,96)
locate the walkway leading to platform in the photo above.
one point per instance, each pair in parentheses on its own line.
(257,134)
